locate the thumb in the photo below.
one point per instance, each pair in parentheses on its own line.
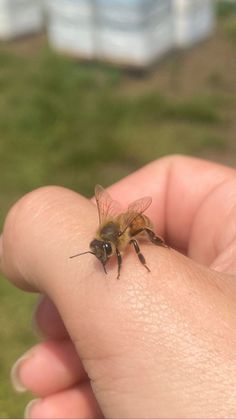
(156,344)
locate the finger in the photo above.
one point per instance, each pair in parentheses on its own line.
(145,325)
(184,191)
(76,403)
(225,261)
(48,368)
(179,186)
(47,321)
(194,206)
(213,235)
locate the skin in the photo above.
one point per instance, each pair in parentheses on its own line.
(157,345)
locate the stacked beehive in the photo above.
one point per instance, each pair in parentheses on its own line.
(134,32)
(72,27)
(194,21)
(130,32)
(19,17)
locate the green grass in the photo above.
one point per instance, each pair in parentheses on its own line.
(62,122)
(225,8)
(230,30)
(68,123)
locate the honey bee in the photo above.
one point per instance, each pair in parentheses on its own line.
(118,229)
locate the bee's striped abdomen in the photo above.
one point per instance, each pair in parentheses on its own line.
(140,222)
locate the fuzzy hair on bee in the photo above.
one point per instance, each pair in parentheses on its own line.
(118,229)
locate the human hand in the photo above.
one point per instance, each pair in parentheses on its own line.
(151,345)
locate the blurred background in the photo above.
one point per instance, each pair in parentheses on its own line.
(96,89)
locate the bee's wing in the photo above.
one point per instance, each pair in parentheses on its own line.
(107,207)
(137,207)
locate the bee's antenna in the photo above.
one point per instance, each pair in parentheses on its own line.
(80,254)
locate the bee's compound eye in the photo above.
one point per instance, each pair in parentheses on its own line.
(108,248)
(93,245)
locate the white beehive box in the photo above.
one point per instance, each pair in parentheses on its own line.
(134,32)
(70,26)
(127,32)
(19,17)
(194,21)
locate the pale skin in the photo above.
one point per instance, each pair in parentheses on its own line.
(151,345)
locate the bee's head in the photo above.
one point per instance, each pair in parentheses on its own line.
(101,249)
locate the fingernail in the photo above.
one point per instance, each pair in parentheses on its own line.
(29,408)
(15,374)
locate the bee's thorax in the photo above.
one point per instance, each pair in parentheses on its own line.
(110,231)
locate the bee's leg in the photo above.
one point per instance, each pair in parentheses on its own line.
(119,260)
(140,255)
(104,267)
(154,238)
